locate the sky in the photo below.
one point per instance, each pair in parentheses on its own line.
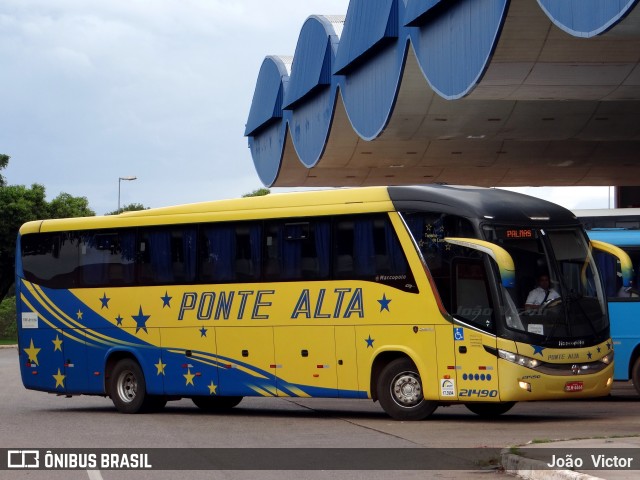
(95,90)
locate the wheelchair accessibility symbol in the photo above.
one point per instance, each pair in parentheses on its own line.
(458,334)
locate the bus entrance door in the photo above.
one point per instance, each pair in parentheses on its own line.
(476,367)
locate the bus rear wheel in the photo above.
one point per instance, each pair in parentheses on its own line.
(400,391)
(128,389)
(216,404)
(490,409)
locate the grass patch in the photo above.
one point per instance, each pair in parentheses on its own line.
(8,325)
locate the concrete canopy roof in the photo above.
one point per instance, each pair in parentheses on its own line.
(483,92)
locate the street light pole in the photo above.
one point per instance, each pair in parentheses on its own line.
(119,182)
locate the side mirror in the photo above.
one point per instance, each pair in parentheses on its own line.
(626,265)
(499,255)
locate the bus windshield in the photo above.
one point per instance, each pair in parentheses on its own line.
(557,297)
(555,300)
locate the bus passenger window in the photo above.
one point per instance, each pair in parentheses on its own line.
(366,247)
(298,250)
(609,268)
(51,259)
(107,258)
(230,252)
(167,255)
(218,253)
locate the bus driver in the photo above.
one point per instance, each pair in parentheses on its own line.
(542,294)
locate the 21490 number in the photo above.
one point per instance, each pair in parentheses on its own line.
(467,392)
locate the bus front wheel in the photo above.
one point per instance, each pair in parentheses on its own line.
(400,391)
(128,389)
(490,409)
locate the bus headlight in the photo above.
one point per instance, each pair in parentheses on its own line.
(607,359)
(518,359)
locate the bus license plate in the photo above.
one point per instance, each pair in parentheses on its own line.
(573,386)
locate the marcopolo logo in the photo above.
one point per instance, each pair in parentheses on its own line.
(23,459)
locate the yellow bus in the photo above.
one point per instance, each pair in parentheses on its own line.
(413,296)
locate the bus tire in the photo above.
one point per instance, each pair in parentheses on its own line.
(216,404)
(128,388)
(400,393)
(490,409)
(635,375)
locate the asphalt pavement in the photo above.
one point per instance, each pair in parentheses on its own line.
(609,458)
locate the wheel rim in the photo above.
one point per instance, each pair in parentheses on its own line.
(127,386)
(406,389)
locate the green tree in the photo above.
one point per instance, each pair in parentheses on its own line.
(8,327)
(4,161)
(19,204)
(66,206)
(131,207)
(260,192)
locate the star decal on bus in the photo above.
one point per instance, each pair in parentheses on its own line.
(79,314)
(203,332)
(589,355)
(384,303)
(105,301)
(189,376)
(57,343)
(119,320)
(59,377)
(212,388)
(32,351)
(369,341)
(166,300)
(141,321)
(537,349)
(160,366)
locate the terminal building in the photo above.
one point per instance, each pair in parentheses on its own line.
(482,92)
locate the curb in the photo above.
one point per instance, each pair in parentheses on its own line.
(8,346)
(531,469)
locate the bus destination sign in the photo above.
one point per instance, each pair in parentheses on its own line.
(517,233)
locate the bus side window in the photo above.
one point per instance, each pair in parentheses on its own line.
(367,246)
(230,252)
(51,259)
(298,250)
(429,230)
(248,257)
(107,258)
(609,268)
(218,253)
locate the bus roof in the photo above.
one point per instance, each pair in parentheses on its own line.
(608,212)
(318,202)
(473,202)
(494,204)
